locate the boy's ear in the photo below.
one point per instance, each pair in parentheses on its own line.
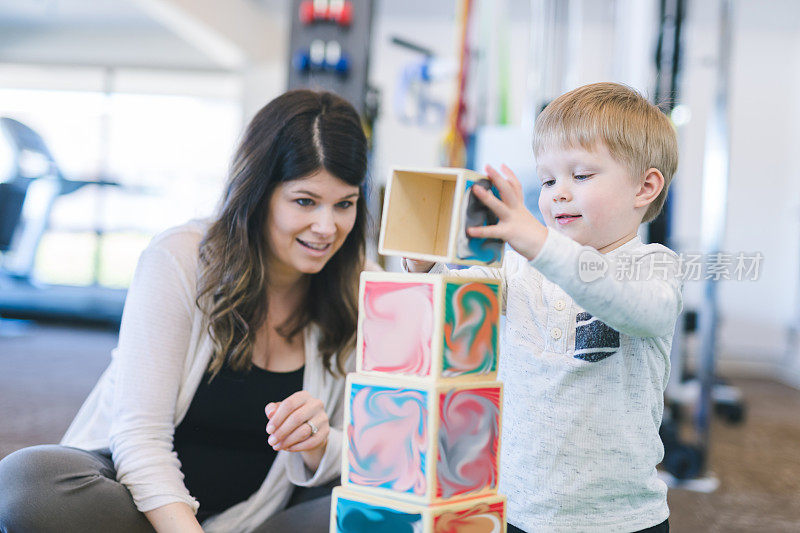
(650,187)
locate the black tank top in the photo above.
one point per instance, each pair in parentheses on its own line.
(222,441)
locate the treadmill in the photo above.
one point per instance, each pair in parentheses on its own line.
(30,184)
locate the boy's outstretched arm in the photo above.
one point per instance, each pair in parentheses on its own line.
(646,308)
(517,226)
(639,295)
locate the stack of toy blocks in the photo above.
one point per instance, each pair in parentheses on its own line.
(423,410)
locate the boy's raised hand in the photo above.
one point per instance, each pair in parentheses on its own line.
(516,225)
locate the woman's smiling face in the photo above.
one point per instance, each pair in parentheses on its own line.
(309,220)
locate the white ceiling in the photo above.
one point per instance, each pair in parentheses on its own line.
(99,32)
(125,13)
(54,14)
(121,33)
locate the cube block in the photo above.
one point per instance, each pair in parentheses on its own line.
(426,213)
(428,326)
(422,442)
(353,512)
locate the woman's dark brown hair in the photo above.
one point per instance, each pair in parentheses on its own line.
(293,136)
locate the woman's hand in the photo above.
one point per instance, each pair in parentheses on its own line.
(299,424)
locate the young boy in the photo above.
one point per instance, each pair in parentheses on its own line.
(590,314)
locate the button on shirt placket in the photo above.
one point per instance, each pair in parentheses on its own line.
(557,319)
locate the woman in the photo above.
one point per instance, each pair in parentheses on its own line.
(227,326)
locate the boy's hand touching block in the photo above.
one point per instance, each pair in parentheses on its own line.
(516,224)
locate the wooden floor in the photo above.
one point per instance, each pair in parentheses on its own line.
(758,466)
(46,372)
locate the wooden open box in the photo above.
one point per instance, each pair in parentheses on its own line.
(424,218)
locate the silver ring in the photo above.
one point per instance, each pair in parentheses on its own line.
(314,428)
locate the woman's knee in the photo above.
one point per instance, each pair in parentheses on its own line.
(27,481)
(41,482)
(29,467)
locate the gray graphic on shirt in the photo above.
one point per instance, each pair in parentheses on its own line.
(594,341)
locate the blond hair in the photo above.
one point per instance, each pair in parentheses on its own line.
(636,133)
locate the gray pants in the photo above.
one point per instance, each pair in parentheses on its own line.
(61,489)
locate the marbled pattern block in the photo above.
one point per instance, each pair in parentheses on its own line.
(397,327)
(354,511)
(353,516)
(469,436)
(422,442)
(481,518)
(472,316)
(475,213)
(428,326)
(387,438)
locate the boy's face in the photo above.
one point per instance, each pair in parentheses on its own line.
(588,196)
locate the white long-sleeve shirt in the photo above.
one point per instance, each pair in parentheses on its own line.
(163,352)
(584,366)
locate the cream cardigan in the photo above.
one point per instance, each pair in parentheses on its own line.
(146,390)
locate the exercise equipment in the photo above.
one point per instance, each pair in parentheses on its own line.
(413,103)
(322,56)
(27,194)
(687,460)
(329,49)
(337,11)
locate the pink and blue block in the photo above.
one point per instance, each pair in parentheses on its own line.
(430,327)
(425,444)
